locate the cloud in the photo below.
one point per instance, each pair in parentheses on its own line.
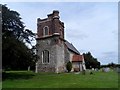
(108,57)
(111,53)
(76,34)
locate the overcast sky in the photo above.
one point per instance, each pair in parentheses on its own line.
(89,26)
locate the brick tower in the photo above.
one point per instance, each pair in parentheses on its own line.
(50,44)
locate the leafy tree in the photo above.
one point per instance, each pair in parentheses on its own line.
(69,66)
(112,65)
(90,61)
(13,26)
(15,54)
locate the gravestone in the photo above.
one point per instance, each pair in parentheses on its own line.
(106,69)
(117,69)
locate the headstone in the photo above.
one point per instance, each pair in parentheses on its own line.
(93,69)
(106,69)
(118,69)
(96,69)
(28,68)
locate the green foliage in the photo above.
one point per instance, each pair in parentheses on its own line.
(13,26)
(111,65)
(15,53)
(69,66)
(11,22)
(90,61)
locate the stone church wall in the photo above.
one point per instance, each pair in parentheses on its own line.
(56,57)
(47,44)
(60,58)
(67,57)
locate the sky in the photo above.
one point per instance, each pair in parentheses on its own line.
(89,26)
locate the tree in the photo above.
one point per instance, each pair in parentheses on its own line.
(13,26)
(112,65)
(90,61)
(15,53)
(69,66)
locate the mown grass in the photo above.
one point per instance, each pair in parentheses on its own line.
(24,79)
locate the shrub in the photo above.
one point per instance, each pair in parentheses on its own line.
(69,66)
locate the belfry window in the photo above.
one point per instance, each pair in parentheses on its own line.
(46,30)
(45,56)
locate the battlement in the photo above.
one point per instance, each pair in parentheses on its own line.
(53,15)
(50,25)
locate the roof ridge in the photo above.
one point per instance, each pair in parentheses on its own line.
(71,47)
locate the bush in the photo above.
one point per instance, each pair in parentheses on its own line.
(69,66)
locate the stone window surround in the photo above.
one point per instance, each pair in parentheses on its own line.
(48,62)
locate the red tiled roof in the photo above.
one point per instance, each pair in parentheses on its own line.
(77,58)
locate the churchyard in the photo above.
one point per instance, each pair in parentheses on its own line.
(25,79)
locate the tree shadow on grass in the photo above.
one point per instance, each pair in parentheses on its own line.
(16,75)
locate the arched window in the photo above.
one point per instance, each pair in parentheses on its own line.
(45,56)
(45,31)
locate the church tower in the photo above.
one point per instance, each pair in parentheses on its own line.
(50,44)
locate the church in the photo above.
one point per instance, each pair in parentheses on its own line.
(53,50)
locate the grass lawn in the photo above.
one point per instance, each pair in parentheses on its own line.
(24,79)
